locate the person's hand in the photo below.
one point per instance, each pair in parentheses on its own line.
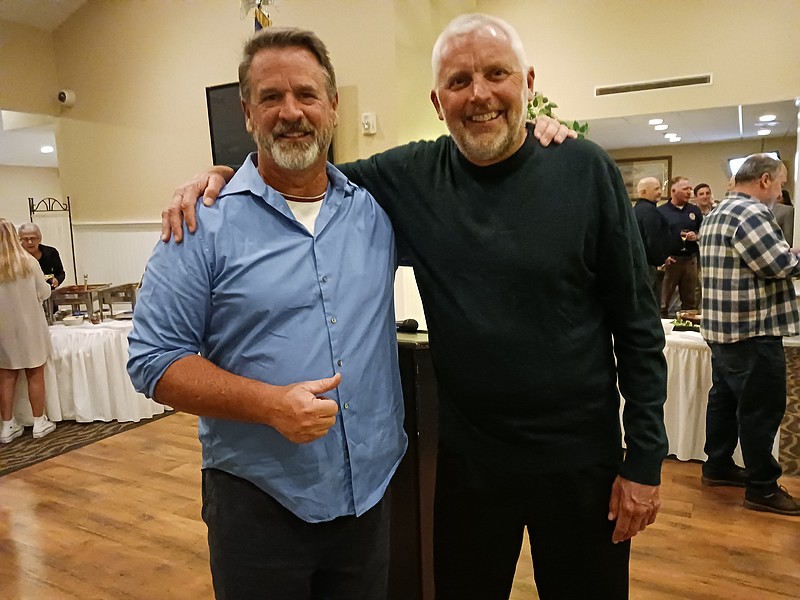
(633,506)
(208,184)
(53,283)
(547,129)
(691,236)
(669,261)
(302,417)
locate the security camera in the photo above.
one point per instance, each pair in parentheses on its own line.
(66,97)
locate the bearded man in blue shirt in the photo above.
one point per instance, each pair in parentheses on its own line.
(284,295)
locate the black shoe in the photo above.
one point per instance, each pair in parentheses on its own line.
(733,477)
(779,501)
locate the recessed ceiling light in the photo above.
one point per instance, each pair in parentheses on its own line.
(47,149)
(766,118)
(661,127)
(764,131)
(674,139)
(658,121)
(670,135)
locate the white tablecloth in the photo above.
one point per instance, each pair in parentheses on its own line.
(85,378)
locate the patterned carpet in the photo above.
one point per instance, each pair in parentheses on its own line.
(69,435)
(790,428)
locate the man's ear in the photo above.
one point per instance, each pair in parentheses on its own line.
(765,180)
(248,122)
(529,80)
(335,105)
(436,105)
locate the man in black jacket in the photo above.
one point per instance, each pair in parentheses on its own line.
(653,227)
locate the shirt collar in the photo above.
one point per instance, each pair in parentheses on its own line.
(247,180)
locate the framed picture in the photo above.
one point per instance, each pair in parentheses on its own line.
(634,169)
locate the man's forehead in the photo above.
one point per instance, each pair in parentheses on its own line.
(486,43)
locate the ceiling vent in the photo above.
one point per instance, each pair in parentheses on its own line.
(660,84)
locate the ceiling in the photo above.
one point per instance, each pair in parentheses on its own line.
(22,137)
(46,15)
(696,126)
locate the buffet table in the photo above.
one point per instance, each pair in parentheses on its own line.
(86,379)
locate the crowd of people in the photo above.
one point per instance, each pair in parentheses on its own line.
(670,227)
(512,319)
(272,319)
(734,261)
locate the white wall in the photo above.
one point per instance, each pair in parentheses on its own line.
(114,252)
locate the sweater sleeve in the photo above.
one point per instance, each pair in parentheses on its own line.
(633,317)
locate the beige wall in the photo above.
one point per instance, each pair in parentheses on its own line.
(139,126)
(708,163)
(17,184)
(752,50)
(139,69)
(28,79)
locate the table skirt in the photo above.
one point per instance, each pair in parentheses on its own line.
(86,378)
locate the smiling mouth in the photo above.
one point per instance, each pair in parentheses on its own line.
(484,117)
(293,135)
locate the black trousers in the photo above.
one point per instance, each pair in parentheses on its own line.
(261,551)
(480,516)
(746,404)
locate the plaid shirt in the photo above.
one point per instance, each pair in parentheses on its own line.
(747,267)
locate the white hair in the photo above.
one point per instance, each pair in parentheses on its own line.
(29,228)
(468,23)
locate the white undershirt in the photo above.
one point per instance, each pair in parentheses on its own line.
(305,212)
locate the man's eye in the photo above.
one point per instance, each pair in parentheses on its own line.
(458,83)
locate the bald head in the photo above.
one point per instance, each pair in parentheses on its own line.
(649,188)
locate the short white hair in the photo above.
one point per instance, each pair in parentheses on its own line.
(29,228)
(468,23)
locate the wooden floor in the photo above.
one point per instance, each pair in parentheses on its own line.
(119,519)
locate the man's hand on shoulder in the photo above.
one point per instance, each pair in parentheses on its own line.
(633,506)
(182,207)
(547,129)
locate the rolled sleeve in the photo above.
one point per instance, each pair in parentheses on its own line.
(172,312)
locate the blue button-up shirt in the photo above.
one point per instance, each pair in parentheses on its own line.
(256,294)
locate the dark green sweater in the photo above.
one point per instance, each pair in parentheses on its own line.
(526,269)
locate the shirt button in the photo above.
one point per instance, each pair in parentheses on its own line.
(333,320)
(346,405)
(324,279)
(339,363)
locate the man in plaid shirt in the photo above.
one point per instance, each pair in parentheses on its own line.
(749,304)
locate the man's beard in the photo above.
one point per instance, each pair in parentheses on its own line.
(294,155)
(483,148)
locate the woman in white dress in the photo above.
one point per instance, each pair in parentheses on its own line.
(24,336)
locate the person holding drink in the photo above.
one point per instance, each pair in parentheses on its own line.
(680,268)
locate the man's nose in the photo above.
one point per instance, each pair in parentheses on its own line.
(291,109)
(480,88)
